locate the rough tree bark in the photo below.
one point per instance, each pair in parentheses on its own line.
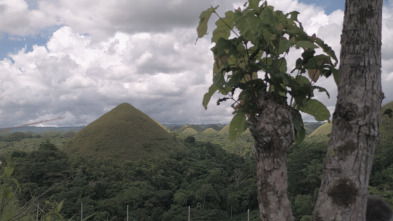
(273,132)
(355,131)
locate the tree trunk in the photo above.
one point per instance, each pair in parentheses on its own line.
(355,130)
(273,132)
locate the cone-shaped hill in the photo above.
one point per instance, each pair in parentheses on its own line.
(386,126)
(123,133)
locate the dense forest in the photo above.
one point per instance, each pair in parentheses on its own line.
(214,183)
(209,174)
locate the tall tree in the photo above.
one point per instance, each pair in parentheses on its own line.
(343,191)
(250,68)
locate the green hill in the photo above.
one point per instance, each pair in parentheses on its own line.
(324,130)
(385,128)
(122,133)
(224,130)
(311,126)
(189,131)
(195,127)
(209,131)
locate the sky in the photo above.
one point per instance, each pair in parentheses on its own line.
(69,62)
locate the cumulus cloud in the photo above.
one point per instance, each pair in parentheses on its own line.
(77,79)
(141,52)
(17,19)
(103,18)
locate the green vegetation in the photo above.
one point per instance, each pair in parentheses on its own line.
(29,141)
(213,176)
(250,48)
(202,176)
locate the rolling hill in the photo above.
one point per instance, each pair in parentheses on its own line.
(386,126)
(124,133)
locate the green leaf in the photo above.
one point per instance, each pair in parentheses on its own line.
(203,19)
(336,76)
(305,44)
(224,26)
(316,109)
(219,80)
(206,98)
(58,207)
(282,65)
(284,46)
(268,16)
(237,126)
(293,15)
(249,26)
(321,89)
(254,4)
(327,49)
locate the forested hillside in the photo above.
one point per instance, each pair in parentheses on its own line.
(214,177)
(215,184)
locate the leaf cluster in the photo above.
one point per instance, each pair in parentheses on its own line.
(250,57)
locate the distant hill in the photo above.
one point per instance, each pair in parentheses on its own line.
(194,127)
(324,130)
(189,131)
(198,127)
(386,127)
(311,126)
(224,130)
(123,133)
(308,126)
(39,130)
(209,131)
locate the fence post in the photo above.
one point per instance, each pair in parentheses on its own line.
(189,213)
(127,212)
(38,208)
(81,210)
(248,214)
(231,210)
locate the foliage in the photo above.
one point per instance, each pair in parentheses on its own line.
(10,208)
(251,45)
(202,176)
(28,141)
(165,187)
(244,144)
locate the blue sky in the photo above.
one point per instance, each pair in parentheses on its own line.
(329,6)
(75,60)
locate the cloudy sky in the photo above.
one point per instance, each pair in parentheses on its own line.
(75,60)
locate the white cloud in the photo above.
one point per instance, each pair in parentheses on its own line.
(141,52)
(74,76)
(17,19)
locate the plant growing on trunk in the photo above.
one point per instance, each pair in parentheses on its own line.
(250,69)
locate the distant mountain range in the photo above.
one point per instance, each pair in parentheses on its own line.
(39,130)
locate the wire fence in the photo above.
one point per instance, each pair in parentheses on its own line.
(192,214)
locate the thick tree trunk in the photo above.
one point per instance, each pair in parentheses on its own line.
(355,132)
(273,132)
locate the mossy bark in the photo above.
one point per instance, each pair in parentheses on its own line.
(355,129)
(272,130)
